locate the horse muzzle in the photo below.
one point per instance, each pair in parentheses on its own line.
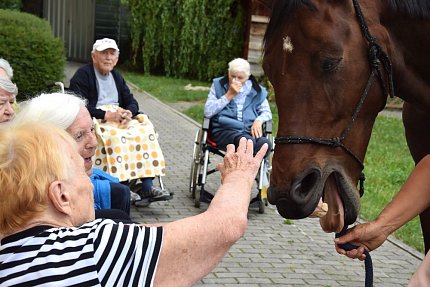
(302,197)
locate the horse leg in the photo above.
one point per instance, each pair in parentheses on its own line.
(416,124)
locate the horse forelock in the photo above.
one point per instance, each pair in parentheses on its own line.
(412,8)
(281,12)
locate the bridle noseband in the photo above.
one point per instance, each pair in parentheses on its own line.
(376,57)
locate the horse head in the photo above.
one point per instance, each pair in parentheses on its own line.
(330,82)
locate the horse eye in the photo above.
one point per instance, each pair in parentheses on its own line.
(330,65)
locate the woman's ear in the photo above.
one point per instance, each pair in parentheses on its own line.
(59,196)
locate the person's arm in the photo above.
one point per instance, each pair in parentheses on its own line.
(193,246)
(214,105)
(264,112)
(411,200)
(127,99)
(264,115)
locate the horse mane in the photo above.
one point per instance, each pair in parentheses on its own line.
(412,8)
(281,11)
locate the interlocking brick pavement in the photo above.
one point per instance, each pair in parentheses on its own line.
(272,253)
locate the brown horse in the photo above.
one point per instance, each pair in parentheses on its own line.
(332,65)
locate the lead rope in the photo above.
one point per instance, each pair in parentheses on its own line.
(368,265)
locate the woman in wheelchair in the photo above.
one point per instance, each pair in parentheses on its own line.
(237,106)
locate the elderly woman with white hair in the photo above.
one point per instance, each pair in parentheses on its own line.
(69,112)
(237,106)
(8,92)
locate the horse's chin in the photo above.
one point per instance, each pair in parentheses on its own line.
(343,203)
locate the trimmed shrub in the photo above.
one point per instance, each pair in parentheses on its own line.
(36,56)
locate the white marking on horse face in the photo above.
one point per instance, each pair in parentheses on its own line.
(287,45)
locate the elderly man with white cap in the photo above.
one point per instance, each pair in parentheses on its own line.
(123,152)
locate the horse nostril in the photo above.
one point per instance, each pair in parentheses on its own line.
(307,184)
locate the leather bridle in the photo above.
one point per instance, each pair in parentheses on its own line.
(376,57)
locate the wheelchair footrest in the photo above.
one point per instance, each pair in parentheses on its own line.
(206,196)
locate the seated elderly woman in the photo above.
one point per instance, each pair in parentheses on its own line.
(56,241)
(68,112)
(237,106)
(8,92)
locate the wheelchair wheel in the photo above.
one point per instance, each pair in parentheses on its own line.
(195,162)
(261,206)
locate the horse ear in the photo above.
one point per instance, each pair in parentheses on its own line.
(265,3)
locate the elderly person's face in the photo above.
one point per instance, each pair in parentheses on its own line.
(82,130)
(81,195)
(242,77)
(105,60)
(6,102)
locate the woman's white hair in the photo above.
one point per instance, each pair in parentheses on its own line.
(6,67)
(7,85)
(239,65)
(60,109)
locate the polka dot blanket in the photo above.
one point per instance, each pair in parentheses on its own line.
(129,152)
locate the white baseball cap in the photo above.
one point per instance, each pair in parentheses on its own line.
(105,43)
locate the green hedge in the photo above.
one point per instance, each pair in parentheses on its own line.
(36,56)
(186,38)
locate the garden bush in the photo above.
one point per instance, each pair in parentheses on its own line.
(36,56)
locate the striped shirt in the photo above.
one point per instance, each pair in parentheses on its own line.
(98,253)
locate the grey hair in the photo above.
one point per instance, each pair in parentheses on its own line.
(7,85)
(239,65)
(60,109)
(6,67)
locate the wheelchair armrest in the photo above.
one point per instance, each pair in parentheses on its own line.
(268,126)
(206,123)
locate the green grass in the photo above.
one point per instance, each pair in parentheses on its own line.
(387,162)
(387,165)
(168,89)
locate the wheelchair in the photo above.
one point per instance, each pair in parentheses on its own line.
(204,148)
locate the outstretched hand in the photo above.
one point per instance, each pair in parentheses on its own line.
(367,236)
(241,163)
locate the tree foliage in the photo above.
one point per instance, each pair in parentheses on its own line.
(186,38)
(11,4)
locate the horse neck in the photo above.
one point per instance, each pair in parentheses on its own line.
(409,49)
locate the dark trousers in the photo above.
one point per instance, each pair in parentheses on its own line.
(223,138)
(120,197)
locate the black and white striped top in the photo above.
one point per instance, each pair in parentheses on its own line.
(98,253)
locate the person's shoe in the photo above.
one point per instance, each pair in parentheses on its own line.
(142,203)
(155,194)
(134,196)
